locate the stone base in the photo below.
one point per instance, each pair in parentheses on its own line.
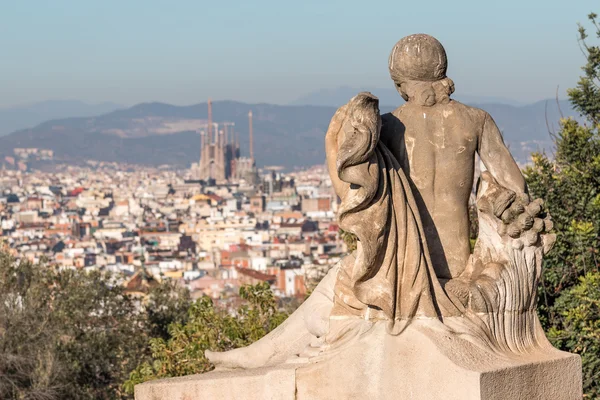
(421,363)
(276,383)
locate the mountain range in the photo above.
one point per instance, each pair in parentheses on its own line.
(336,97)
(25,116)
(287,135)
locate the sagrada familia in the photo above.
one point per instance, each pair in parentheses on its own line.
(220,157)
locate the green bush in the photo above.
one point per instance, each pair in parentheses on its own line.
(570,184)
(69,334)
(209,328)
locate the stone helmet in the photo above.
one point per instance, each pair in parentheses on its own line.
(418,57)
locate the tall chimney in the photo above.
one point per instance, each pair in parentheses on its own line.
(221,154)
(250,131)
(210,127)
(202,145)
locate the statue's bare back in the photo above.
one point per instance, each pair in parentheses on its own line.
(437,147)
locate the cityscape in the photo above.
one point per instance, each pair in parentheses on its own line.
(218,225)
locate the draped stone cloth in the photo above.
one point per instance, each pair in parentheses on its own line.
(390,276)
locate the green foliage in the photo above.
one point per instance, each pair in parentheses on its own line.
(570,185)
(166,304)
(350,239)
(209,328)
(68,334)
(64,334)
(579,330)
(586,96)
(473,226)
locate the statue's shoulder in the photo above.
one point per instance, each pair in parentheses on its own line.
(477,115)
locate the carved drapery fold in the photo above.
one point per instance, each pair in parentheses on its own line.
(392,276)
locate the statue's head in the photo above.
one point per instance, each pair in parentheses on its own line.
(418,66)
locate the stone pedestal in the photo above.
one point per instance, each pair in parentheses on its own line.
(277,383)
(422,363)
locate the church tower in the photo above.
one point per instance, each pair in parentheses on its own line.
(212,154)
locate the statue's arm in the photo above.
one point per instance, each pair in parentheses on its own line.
(332,139)
(497,159)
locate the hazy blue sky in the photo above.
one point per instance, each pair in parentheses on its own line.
(183,52)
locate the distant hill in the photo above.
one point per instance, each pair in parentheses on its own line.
(157,133)
(144,134)
(336,97)
(25,116)
(527,128)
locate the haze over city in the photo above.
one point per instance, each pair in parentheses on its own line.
(275,52)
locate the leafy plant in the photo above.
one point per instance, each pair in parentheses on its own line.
(570,185)
(70,334)
(209,328)
(65,334)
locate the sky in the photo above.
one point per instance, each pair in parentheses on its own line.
(274,51)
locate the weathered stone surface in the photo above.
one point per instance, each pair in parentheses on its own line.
(423,363)
(278,383)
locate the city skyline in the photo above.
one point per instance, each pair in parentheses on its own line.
(271,52)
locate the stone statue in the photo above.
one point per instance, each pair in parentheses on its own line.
(412,295)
